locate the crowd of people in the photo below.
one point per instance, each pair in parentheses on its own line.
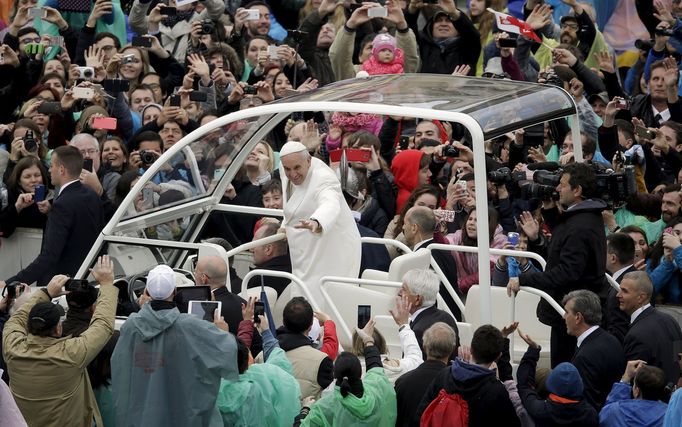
(93,93)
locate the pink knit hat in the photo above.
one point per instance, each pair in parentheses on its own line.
(381,42)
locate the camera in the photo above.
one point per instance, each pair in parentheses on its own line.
(538,191)
(250,90)
(147,157)
(297,35)
(30,143)
(207,27)
(505,176)
(11,290)
(616,187)
(450,151)
(667,32)
(86,73)
(128,59)
(77,285)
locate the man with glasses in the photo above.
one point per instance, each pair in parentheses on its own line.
(578,29)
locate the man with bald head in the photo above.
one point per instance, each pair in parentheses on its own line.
(212,271)
(419,227)
(321,232)
(652,333)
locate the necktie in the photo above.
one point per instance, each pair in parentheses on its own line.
(658,119)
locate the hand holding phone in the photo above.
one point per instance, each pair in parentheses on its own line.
(39,193)
(364,315)
(106,123)
(258,310)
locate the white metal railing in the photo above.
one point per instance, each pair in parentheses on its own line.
(256,243)
(386,242)
(272,273)
(326,280)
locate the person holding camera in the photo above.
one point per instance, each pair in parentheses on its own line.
(25,142)
(27,192)
(49,378)
(76,219)
(576,256)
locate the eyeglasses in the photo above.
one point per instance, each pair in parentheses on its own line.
(153,85)
(90,152)
(251,101)
(573,27)
(28,40)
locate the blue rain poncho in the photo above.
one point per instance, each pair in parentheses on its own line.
(166,369)
(266,395)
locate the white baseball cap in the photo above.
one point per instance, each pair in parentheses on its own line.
(160,282)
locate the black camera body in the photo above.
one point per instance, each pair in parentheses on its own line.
(147,157)
(297,35)
(207,27)
(30,143)
(250,90)
(667,32)
(616,187)
(11,290)
(450,151)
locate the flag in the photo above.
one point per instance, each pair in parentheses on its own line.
(266,306)
(514,25)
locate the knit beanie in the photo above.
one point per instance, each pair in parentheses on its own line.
(564,381)
(381,42)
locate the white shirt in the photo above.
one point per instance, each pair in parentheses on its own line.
(620,272)
(65,185)
(585,334)
(416,313)
(420,243)
(665,114)
(637,312)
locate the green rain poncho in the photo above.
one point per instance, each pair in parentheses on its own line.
(266,395)
(376,408)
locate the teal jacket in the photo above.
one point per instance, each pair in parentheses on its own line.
(266,395)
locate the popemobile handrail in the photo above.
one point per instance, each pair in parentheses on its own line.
(283,274)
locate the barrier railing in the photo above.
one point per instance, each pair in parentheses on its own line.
(382,241)
(272,273)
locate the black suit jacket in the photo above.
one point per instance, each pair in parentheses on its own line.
(427,318)
(76,219)
(411,387)
(280,263)
(651,338)
(601,362)
(446,263)
(616,321)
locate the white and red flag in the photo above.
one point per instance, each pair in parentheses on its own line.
(511,24)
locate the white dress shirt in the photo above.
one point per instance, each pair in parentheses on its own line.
(585,334)
(637,312)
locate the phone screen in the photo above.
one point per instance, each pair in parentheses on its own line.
(258,310)
(364,314)
(185,294)
(204,309)
(87,165)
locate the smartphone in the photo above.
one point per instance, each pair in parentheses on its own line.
(108,123)
(258,310)
(39,193)
(254,15)
(198,96)
(445,215)
(168,11)
(185,294)
(87,165)
(462,186)
(668,230)
(77,285)
(2,58)
(404,142)
(364,314)
(272,52)
(140,41)
(12,290)
(513,238)
(56,41)
(116,85)
(217,174)
(507,42)
(377,12)
(49,108)
(645,133)
(83,93)
(175,100)
(204,309)
(37,12)
(358,155)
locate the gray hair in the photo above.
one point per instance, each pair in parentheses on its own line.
(439,340)
(586,303)
(85,137)
(642,281)
(424,283)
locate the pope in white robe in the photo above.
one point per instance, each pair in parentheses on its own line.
(321,231)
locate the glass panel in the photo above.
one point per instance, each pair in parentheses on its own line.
(195,171)
(492,102)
